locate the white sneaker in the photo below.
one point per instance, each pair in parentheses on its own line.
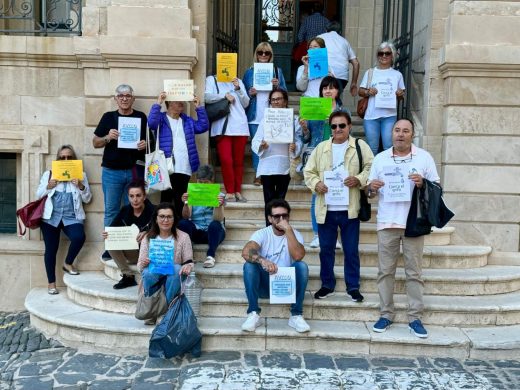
(315,243)
(299,324)
(252,322)
(209,263)
(338,244)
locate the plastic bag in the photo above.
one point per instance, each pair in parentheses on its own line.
(177,333)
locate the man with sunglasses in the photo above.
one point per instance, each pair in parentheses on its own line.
(392,213)
(278,245)
(118,164)
(337,157)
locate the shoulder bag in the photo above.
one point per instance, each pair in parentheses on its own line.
(30,215)
(363,102)
(219,109)
(150,307)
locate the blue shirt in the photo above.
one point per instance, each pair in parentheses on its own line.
(63,207)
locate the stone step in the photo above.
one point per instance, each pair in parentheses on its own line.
(296,192)
(94,290)
(486,280)
(242,229)
(81,327)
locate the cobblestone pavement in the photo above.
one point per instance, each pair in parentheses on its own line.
(30,361)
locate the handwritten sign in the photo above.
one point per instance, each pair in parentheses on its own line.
(226,66)
(203,194)
(161,255)
(179,90)
(66,170)
(121,237)
(282,286)
(318,63)
(338,193)
(262,76)
(278,125)
(129,132)
(312,108)
(385,97)
(397,186)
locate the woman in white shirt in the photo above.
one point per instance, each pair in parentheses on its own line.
(385,89)
(310,88)
(274,163)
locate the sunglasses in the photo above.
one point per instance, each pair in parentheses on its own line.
(384,54)
(263,53)
(278,216)
(66,157)
(341,126)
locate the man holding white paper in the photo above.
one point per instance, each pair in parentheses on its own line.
(392,212)
(334,174)
(278,245)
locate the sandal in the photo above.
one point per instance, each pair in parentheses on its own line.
(209,263)
(230,198)
(240,197)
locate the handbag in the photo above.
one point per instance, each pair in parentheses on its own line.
(150,307)
(177,333)
(31,214)
(365,208)
(362,104)
(156,175)
(218,109)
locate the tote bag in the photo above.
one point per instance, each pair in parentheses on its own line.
(156,174)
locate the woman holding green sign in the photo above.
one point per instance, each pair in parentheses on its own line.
(315,131)
(165,255)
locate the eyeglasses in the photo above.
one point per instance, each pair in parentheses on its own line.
(124,97)
(340,125)
(276,99)
(165,217)
(278,216)
(266,53)
(384,54)
(66,158)
(403,160)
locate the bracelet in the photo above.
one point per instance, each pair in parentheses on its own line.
(187,262)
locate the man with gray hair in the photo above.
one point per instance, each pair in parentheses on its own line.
(118,164)
(340,54)
(204,224)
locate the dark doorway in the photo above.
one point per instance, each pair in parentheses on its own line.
(7,193)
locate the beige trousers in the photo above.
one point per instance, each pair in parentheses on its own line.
(389,241)
(123,258)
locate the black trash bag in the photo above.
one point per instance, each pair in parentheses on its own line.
(177,333)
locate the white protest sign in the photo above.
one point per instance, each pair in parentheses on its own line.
(179,90)
(397,186)
(262,76)
(278,125)
(282,286)
(385,97)
(121,238)
(337,193)
(129,132)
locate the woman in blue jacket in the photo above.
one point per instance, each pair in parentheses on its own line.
(175,133)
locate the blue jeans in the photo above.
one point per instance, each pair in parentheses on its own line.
(380,127)
(256,281)
(328,233)
(252,131)
(114,183)
(213,236)
(313,215)
(152,282)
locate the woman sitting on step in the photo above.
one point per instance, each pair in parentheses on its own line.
(165,255)
(63,211)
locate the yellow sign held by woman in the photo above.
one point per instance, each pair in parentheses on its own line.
(226,66)
(66,170)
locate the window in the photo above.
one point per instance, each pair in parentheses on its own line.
(7,193)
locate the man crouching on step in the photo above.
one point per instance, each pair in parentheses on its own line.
(278,245)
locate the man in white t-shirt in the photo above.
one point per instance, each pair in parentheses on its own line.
(278,245)
(340,54)
(394,173)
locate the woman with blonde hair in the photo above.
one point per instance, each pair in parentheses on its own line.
(258,100)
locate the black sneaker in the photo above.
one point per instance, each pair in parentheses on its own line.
(323,293)
(356,296)
(106,256)
(126,281)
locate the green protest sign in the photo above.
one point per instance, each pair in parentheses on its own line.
(312,108)
(200,194)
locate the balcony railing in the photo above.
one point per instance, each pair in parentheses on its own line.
(40,17)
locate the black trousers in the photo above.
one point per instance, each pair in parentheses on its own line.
(179,183)
(274,187)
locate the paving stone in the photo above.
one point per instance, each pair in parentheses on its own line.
(354,377)
(507,363)
(125,369)
(237,386)
(314,361)
(218,356)
(274,379)
(81,386)
(157,376)
(207,373)
(137,358)
(107,384)
(45,383)
(448,363)
(285,360)
(319,377)
(95,363)
(251,359)
(40,368)
(73,378)
(344,363)
(476,363)
(413,380)
(393,362)
(199,386)
(242,375)
(47,355)
(162,363)
(156,386)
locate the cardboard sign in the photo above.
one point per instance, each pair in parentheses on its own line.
(66,170)
(312,108)
(179,90)
(129,132)
(226,66)
(203,194)
(121,237)
(282,286)
(161,255)
(278,125)
(262,76)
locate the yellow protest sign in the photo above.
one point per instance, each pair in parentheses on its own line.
(179,90)
(226,66)
(66,170)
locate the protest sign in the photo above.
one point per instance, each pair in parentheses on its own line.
(203,194)
(262,76)
(226,66)
(161,255)
(66,170)
(278,125)
(129,132)
(121,237)
(282,286)
(312,108)
(318,63)
(179,90)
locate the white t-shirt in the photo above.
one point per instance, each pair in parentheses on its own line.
(395,214)
(338,164)
(382,76)
(313,86)
(274,160)
(339,53)
(180,149)
(274,248)
(262,102)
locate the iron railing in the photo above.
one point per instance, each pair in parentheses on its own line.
(40,17)
(225,13)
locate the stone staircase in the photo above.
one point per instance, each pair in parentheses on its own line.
(472,305)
